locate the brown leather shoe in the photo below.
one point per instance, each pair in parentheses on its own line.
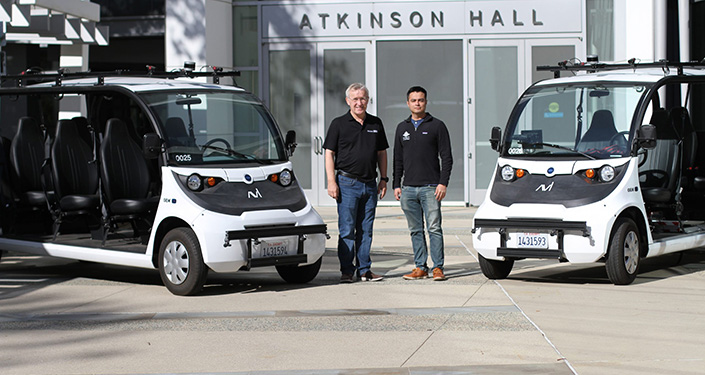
(416,274)
(370,276)
(438,274)
(346,278)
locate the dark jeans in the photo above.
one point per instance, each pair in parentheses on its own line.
(356,214)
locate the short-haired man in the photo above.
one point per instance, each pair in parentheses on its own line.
(419,142)
(355,146)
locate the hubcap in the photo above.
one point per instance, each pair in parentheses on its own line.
(176,262)
(631,252)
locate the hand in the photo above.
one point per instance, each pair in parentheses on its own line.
(333,190)
(397,193)
(382,188)
(440,192)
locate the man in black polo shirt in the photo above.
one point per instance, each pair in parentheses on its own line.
(355,146)
(419,142)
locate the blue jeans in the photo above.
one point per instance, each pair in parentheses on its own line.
(419,202)
(356,214)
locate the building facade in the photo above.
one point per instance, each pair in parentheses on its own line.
(474,58)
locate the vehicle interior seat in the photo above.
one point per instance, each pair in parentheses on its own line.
(656,176)
(680,120)
(26,158)
(600,133)
(74,173)
(85,130)
(176,134)
(125,178)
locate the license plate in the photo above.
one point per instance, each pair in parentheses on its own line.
(532,240)
(274,248)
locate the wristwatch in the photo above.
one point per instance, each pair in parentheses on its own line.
(385,179)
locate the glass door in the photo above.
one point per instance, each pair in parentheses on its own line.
(306,90)
(338,65)
(495,83)
(500,70)
(290,72)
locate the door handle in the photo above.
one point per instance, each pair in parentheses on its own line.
(316,146)
(319,145)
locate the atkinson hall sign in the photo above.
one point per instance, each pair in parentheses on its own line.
(312,19)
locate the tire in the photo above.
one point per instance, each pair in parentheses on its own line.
(623,254)
(495,269)
(299,275)
(180,247)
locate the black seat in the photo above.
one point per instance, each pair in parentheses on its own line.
(74,173)
(600,132)
(125,175)
(84,129)
(176,134)
(658,177)
(26,158)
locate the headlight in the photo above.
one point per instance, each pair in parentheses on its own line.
(507,173)
(194,182)
(607,173)
(285,177)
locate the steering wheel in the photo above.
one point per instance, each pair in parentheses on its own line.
(215,140)
(616,140)
(654,178)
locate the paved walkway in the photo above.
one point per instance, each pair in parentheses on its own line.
(65,317)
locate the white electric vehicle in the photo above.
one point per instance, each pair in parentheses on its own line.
(600,165)
(155,170)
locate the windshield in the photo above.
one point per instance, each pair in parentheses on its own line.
(216,128)
(583,120)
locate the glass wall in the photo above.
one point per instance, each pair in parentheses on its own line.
(496,80)
(245,51)
(290,98)
(437,65)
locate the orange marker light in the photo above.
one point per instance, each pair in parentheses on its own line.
(590,173)
(520,173)
(274,177)
(210,181)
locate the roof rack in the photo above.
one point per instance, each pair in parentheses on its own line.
(592,66)
(32,75)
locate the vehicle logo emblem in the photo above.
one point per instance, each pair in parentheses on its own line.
(545,188)
(248,179)
(550,170)
(254,194)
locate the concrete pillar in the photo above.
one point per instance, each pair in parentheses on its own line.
(199,31)
(659,29)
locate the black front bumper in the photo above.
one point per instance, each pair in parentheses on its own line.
(556,228)
(256,233)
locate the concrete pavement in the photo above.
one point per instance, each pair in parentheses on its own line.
(64,317)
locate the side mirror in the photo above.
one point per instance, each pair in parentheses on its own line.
(151,145)
(495,138)
(646,136)
(290,142)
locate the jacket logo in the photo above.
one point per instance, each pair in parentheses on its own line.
(543,187)
(406,136)
(372,131)
(254,194)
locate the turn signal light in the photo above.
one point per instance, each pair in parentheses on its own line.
(590,173)
(520,173)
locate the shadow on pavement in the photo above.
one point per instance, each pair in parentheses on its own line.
(650,269)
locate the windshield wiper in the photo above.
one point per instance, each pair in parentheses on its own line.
(232,152)
(558,147)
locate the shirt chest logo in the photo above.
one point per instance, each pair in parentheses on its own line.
(406,136)
(372,131)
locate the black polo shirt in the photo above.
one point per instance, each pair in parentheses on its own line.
(356,145)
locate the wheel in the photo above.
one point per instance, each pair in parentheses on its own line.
(620,138)
(181,263)
(623,253)
(216,140)
(495,269)
(299,275)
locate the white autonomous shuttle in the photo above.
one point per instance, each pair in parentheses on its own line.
(601,165)
(156,170)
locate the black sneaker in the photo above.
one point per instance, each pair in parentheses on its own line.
(346,278)
(369,276)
